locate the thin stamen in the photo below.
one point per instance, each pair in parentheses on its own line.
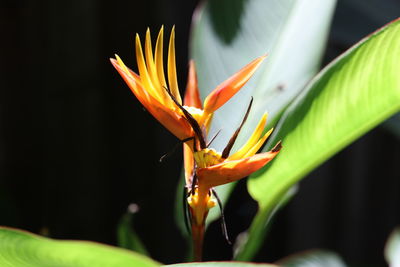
(223,224)
(227,149)
(192,121)
(169,153)
(212,139)
(277,147)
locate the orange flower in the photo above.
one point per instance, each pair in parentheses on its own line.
(163,100)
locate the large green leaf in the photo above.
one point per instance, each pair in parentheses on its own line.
(349,97)
(392,249)
(223,264)
(228,34)
(22,249)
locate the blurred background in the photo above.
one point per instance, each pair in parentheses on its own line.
(76,147)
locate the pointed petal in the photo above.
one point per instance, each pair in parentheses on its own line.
(230,87)
(229,171)
(159,57)
(148,51)
(253,150)
(171,120)
(144,74)
(192,95)
(151,66)
(131,79)
(173,83)
(152,70)
(252,140)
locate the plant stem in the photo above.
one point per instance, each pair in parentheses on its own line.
(198,237)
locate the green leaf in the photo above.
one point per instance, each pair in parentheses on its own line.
(228,34)
(350,96)
(127,238)
(223,264)
(23,249)
(313,258)
(392,249)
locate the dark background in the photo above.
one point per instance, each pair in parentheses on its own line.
(76,147)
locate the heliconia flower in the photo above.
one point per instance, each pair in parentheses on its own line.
(189,121)
(163,99)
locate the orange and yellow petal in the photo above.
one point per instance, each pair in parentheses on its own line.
(230,171)
(172,80)
(132,80)
(253,150)
(170,119)
(192,95)
(159,58)
(174,122)
(252,141)
(151,65)
(144,74)
(231,86)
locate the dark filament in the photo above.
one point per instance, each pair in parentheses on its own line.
(231,142)
(223,224)
(212,139)
(169,153)
(192,121)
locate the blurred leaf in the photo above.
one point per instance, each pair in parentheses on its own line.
(23,249)
(350,96)
(223,264)
(392,249)
(8,209)
(314,258)
(393,124)
(243,237)
(127,238)
(228,34)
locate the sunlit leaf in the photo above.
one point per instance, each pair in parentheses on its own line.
(22,249)
(349,97)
